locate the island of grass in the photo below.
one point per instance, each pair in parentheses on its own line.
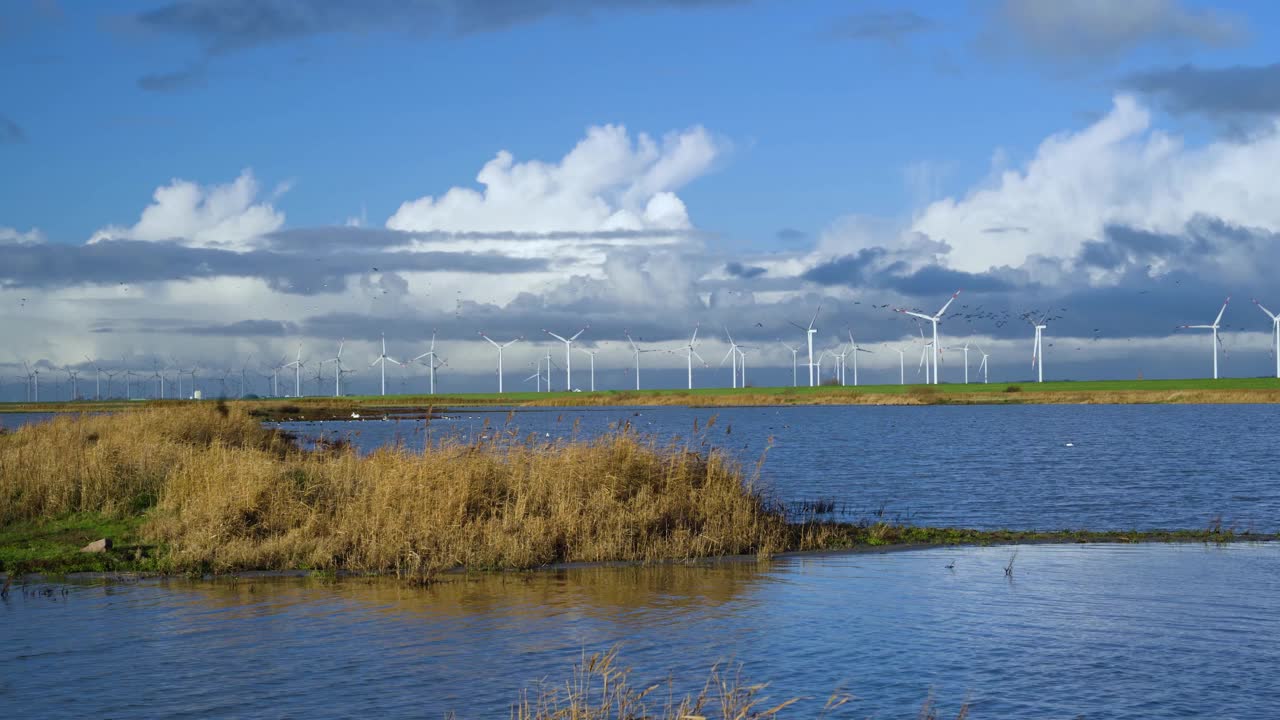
(206,488)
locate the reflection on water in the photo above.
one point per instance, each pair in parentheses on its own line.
(1114,631)
(1046,467)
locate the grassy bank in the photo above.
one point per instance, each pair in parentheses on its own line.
(206,488)
(1125,392)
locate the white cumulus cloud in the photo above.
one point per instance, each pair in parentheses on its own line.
(13,236)
(228,216)
(1118,171)
(607,182)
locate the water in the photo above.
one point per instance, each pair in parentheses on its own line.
(1089,631)
(13,421)
(1047,467)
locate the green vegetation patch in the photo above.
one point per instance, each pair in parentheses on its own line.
(53,546)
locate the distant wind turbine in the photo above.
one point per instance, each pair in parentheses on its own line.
(1275,332)
(635,351)
(934,320)
(500,348)
(568,354)
(1037,352)
(795,351)
(855,349)
(731,355)
(297,372)
(382,360)
(808,335)
(983,365)
(690,354)
(592,355)
(430,356)
(1214,327)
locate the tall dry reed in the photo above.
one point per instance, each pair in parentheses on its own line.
(221,493)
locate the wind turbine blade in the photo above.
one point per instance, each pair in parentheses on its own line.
(922,316)
(1224,309)
(727,355)
(948,304)
(815,317)
(1255,302)
(575,335)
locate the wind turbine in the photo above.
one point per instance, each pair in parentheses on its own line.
(808,334)
(297,372)
(1037,352)
(592,355)
(243,369)
(983,365)
(536,377)
(337,368)
(690,354)
(795,351)
(72,374)
(500,348)
(854,348)
(568,354)
(635,351)
(382,360)
(733,355)
(966,361)
(33,374)
(1275,332)
(97,379)
(1214,327)
(934,320)
(902,366)
(155,373)
(430,355)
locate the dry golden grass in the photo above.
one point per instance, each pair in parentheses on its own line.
(221,494)
(602,689)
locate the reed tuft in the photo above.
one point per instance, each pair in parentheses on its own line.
(221,493)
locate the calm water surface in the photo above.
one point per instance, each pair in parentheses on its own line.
(1092,631)
(1027,467)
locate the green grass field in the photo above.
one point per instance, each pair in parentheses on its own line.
(1195,390)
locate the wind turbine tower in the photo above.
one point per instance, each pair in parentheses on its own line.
(500,348)
(809,333)
(383,360)
(934,320)
(1217,323)
(568,355)
(1275,333)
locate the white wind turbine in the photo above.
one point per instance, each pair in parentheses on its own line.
(902,366)
(568,355)
(854,348)
(1037,352)
(1214,327)
(1275,332)
(430,356)
(690,354)
(382,360)
(808,334)
(337,368)
(934,320)
(33,375)
(75,390)
(983,365)
(592,355)
(635,351)
(731,355)
(536,376)
(97,378)
(297,372)
(742,364)
(500,348)
(795,352)
(966,361)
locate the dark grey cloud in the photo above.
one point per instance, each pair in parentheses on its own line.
(1216,92)
(185,79)
(243,328)
(1088,32)
(746,272)
(851,270)
(891,26)
(228,25)
(11,132)
(55,265)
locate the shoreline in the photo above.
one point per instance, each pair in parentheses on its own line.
(995,539)
(1111,392)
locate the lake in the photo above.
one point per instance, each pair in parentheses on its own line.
(1094,631)
(1042,467)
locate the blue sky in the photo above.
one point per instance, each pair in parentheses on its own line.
(818,114)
